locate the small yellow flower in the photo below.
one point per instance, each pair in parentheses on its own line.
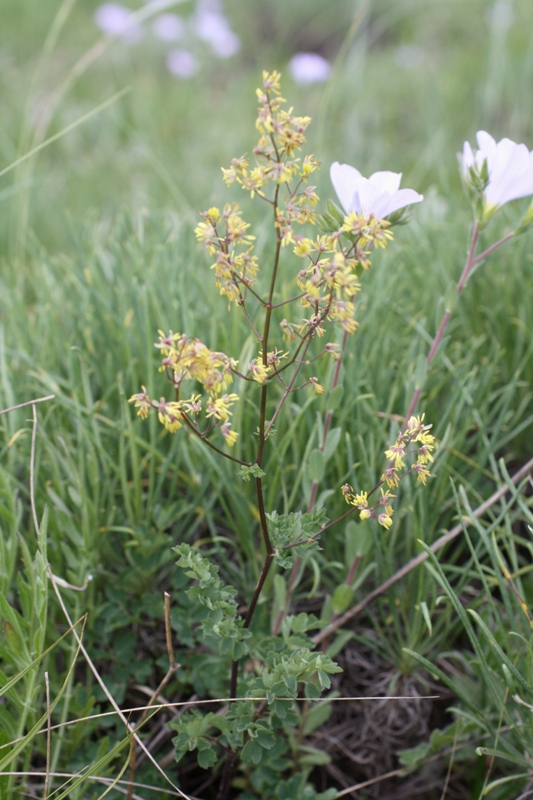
(396,453)
(304,247)
(142,402)
(229,435)
(316,385)
(309,165)
(422,474)
(360,500)
(333,349)
(424,454)
(170,415)
(385,520)
(390,478)
(259,371)
(219,407)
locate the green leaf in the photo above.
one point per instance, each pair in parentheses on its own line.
(421,370)
(207,756)
(254,471)
(506,660)
(317,715)
(280,591)
(312,757)
(426,615)
(342,598)
(332,442)
(312,691)
(335,397)
(451,297)
(252,752)
(324,679)
(315,465)
(12,638)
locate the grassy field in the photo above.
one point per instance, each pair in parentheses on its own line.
(98,252)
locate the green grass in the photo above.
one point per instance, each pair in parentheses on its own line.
(98,253)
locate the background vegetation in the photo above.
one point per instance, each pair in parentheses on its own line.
(98,252)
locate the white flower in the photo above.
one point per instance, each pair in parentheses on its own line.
(212,26)
(182,64)
(509,168)
(307,68)
(115,19)
(379,195)
(168,27)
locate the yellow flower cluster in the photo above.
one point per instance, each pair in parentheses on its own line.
(225,234)
(382,511)
(416,433)
(367,231)
(330,282)
(281,135)
(185,358)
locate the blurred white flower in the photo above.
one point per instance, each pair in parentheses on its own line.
(379,195)
(307,68)
(211,26)
(114,19)
(509,168)
(168,27)
(182,63)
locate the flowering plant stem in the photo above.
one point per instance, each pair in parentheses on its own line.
(314,491)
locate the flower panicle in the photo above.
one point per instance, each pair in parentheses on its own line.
(276,161)
(186,358)
(235,265)
(415,433)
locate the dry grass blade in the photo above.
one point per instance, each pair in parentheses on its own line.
(27,403)
(48,737)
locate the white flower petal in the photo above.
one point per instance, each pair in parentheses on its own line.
(345,180)
(386,181)
(509,167)
(468,159)
(401,199)
(379,195)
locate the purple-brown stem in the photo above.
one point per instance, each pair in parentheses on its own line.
(314,489)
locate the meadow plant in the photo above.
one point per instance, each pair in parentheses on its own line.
(293,337)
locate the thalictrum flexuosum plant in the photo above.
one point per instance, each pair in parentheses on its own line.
(293,335)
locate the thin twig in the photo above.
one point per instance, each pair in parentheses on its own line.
(191,703)
(450,765)
(27,403)
(48,736)
(168,631)
(170,672)
(32,470)
(415,562)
